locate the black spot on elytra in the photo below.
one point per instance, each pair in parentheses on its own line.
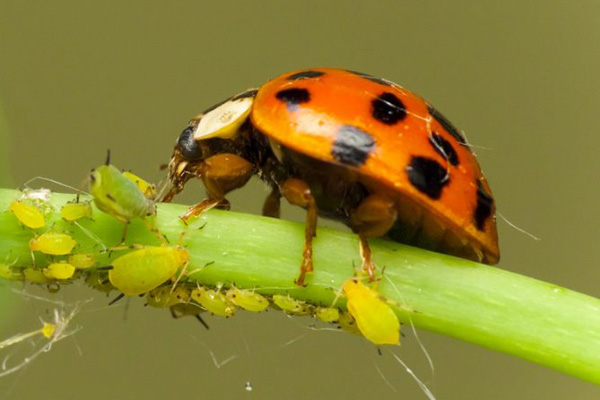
(305,75)
(483,211)
(388,108)
(427,176)
(447,125)
(372,78)
(443,148)
(189,148)
(293,97)
(352,146)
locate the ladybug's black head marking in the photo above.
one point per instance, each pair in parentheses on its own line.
(427,176)
(388,108)
(352,146)
(294,96)
(484,207)
(189,147)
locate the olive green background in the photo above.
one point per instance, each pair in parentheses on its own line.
(520,78)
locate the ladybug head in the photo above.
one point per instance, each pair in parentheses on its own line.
(213,131)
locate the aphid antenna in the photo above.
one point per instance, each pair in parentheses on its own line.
(91,235)
(107,162)
(55,182)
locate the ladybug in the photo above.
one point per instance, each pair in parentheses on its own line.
(348,146)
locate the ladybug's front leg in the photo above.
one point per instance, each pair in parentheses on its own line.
(221,174)
(373,217)
(298,193)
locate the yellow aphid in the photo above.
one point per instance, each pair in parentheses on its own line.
(247,299)
(28,214)
(48,330)
(145,269)
(74,211)
(327,314)
(213,301)
(98,280)
(82,260)
(53,243)
(59,271)
(8,273)
(347,322)
(374,316)
(35,276)
(291,306)
(145,187)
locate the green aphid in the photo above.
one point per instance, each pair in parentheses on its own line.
(291,305)
(116,195)
(247,299)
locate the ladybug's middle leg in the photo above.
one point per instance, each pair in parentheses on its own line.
(298,193)
(221,174)
(373,217)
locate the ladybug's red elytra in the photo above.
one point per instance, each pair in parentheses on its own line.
(346,146)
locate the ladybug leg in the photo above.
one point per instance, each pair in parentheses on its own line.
(272,205)
(373,217)
(221,174)
(298,193)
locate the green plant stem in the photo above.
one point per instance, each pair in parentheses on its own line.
(497,309)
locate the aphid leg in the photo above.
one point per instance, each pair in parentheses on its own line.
(153,227)
(272,204)
(373,217)
(298,193)
(221,174)
(124,234)
(119,297)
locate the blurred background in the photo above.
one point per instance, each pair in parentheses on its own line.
(520,78)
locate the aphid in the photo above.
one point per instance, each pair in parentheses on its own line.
(28,214)
(327,314)
(59,271)
(374,316)
(71,212)
(10,274)
(118,196)
(34,275)
(148,189)
(214,301)
(98,280)
(53,243)
(82,260)
(165,296)
(292,306)
(351,147)
(347,322)
(142,270)
(247,299)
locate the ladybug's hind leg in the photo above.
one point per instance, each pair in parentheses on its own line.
(298,193)
(272,204)
(373,217)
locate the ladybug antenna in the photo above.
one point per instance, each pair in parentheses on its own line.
(107,162)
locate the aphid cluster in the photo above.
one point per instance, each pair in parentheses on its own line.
(159,272)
